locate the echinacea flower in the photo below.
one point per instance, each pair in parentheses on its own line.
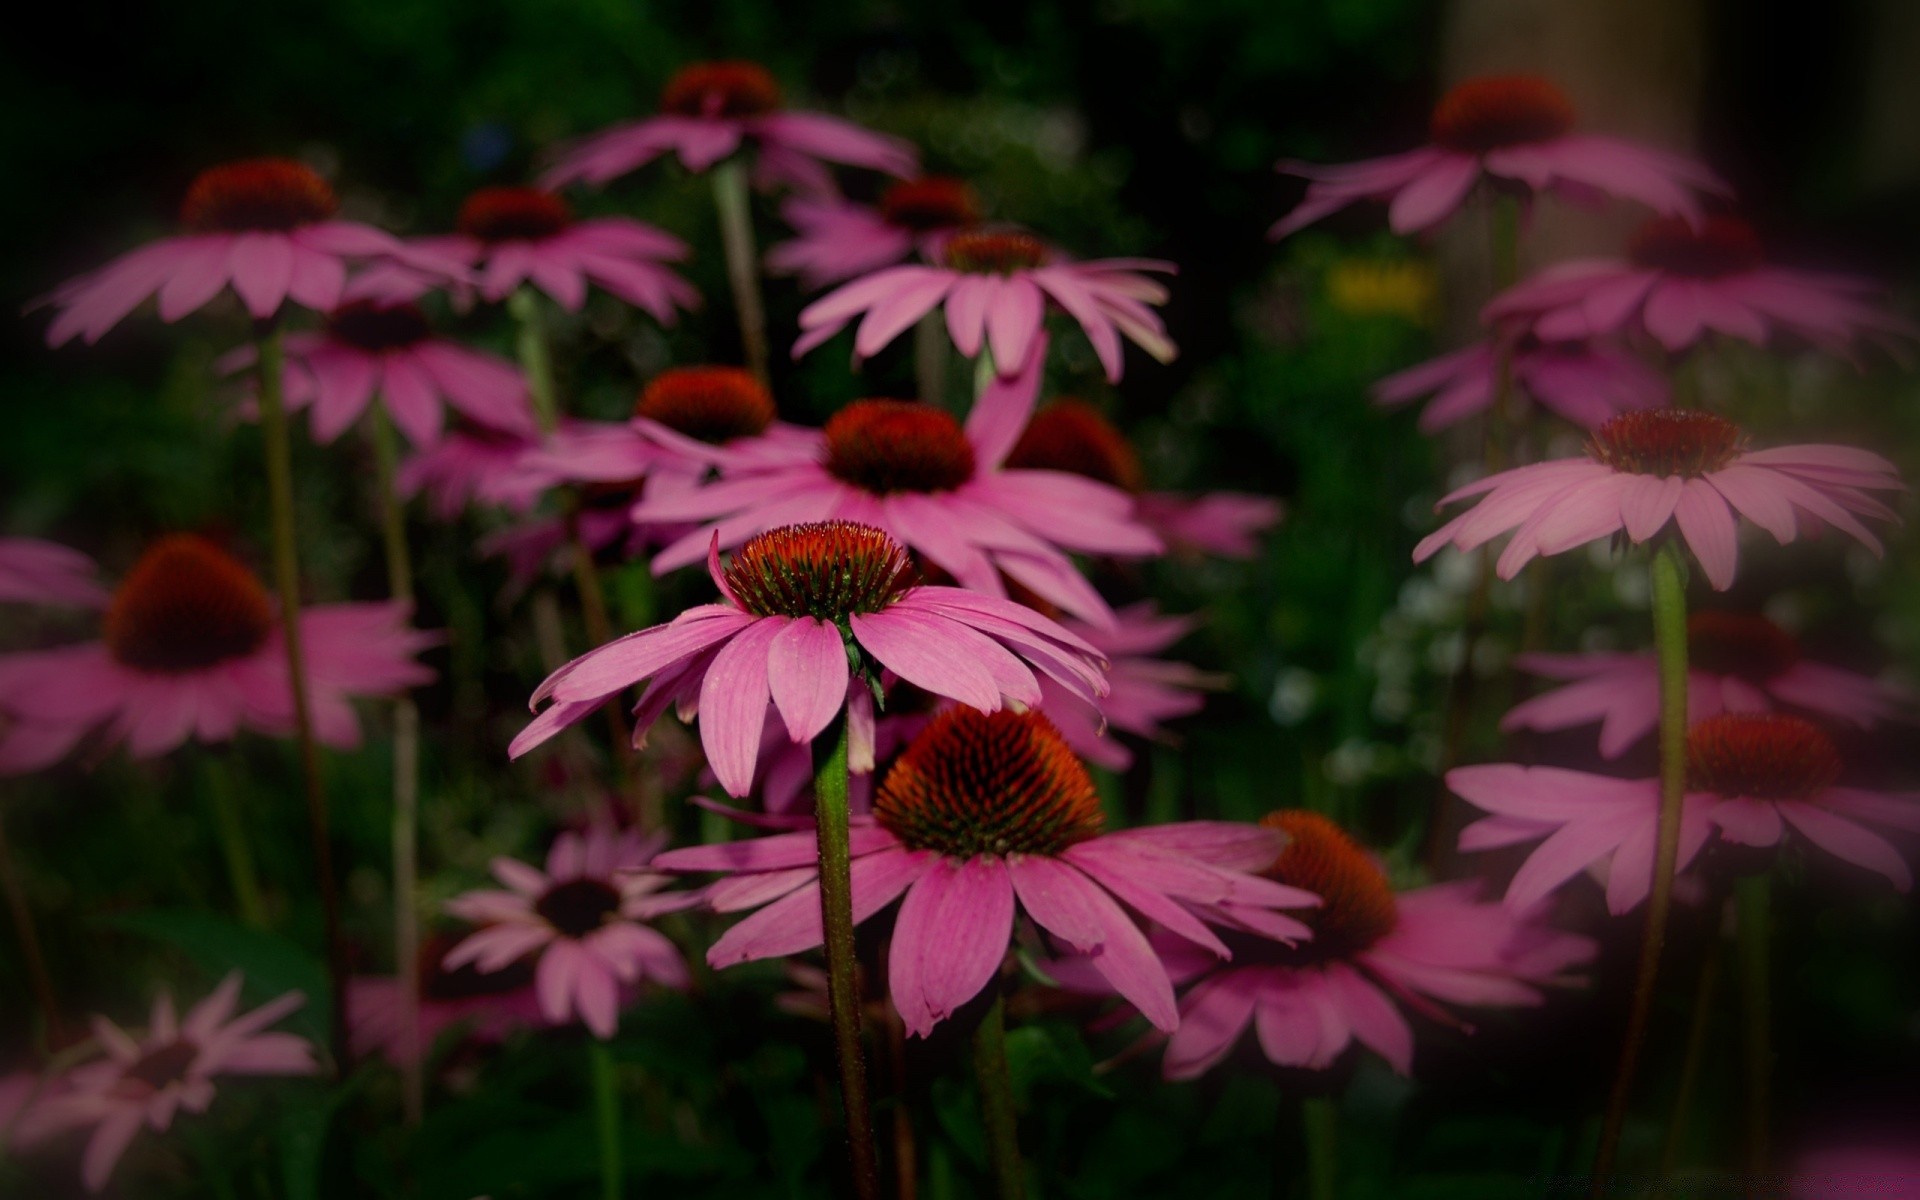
(1588,383)
(263,226)
(1073,436)
(840,240)
(800,603)
(1373,952)
(994,286)
(583,919)
(1736,662)
(986,814)
(710,110)
(1750,777)
(190,648)
(1515,133)
(482,1006)
(516,235)
(1144,690)
(387,349)
(169,1069)
(1681,282)
(474,466)
(1652,467)
(39,572)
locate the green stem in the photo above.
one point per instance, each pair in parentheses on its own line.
(731,198)
(406,781)
(930,357)
(1670,648)
(836,918)
(1319,1121)
(606,1119)
(1706,992)
(38,977)
(1755,921)
(983,372)
(278,449)
(996,1100)
(234,847)
(530,340)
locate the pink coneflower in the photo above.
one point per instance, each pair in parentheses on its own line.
(1073,436)
(1647,468)
(1681,282)
(516,235)
(981,811)
(799,601)
(37,572)
(940,489)
(1145,690)
(583,918)
(840,240)
(372,348)
(1588,383)
(995,286)
(264,226)
(710,110)
(1515,133)
(146,1080)
(485,1007)
(1373,951)
(475,466)
(1750,776)
(190,648)
(1737,662)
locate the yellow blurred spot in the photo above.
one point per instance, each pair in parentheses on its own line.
(1361,287)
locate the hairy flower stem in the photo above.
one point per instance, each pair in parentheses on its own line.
(406,782)
(278,449)
(731,198)
(1319,1121)
(996,1101)
(836,918)
(606,1119)
(1754,932)
(1670,648)
(930,358)
(38,978)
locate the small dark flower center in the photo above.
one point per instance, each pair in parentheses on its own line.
(898,446)
(1072,435)
(721,89)
(929,203)
(1359,907)
(712,404)
(1666,441)
(375,325)
(977,783)
(164,1065)
(828,570)
(577,907)
(185,606)
(510,214)
(1746,645)
(256,194)
(1501,110)
(1761,756)
(1720,246)
(994,252)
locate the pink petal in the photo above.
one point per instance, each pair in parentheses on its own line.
(733,705)
(951,935)
(808,670)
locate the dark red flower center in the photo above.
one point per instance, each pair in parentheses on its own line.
(466,982)
(1746,645)
(928,203)
(185,606)
(994,251)
(711,404)
(1719,246)
(828,570)
(1358,908)
(721,89)
(1072,435)
(376,325)
(978,783)
(1761,756)
(509,214)
(1501,110)
(1666,441)
(256,194)
(577,907)
(165,1064)
(898,446)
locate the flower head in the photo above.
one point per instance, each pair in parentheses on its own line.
(1145,689)
(1651,467)
(485,1006)
(1515,133)
(983,815)
(840,240)
(1587,383)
